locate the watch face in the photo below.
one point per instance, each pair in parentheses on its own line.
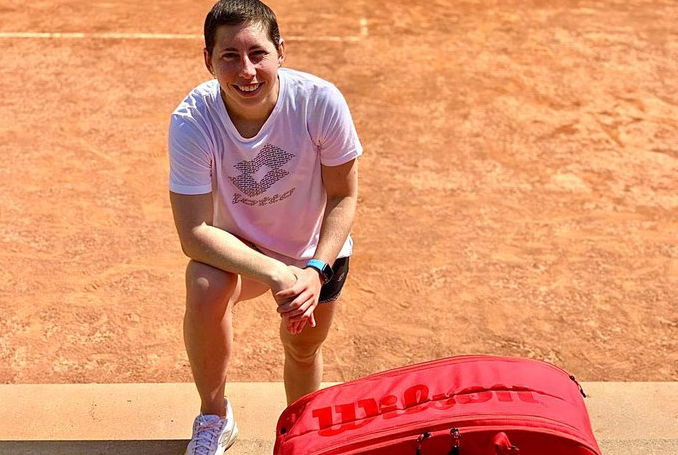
(327,273)
(324,269)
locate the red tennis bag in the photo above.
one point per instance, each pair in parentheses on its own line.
(466,405)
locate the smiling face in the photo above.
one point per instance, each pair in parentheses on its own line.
(246,62)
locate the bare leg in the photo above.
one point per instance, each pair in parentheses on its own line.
(303,355)
(208,331)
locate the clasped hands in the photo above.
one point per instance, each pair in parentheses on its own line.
(297,303)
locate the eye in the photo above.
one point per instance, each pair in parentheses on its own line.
(258,55)
(230,55)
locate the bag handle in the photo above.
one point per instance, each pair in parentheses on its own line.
(421,438)
(503,446)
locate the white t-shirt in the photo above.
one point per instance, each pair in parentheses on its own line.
(267,189)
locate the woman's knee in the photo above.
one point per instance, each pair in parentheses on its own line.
(209,289)
(302,350)
(305,346)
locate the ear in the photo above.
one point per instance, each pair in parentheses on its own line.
(281,52)
(208,61)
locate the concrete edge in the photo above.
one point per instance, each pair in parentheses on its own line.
(76,416)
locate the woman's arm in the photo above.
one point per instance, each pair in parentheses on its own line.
(341,185)
(201,241)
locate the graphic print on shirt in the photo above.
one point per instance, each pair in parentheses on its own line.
(271,157)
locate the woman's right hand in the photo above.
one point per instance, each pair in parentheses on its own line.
(284,278)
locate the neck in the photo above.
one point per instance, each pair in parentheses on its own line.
(248,115)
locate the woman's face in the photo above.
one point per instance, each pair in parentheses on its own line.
(245,62)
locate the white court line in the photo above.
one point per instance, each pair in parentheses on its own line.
(151,36)
(57,35)
(168,36)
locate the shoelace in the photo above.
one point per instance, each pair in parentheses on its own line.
(207,432)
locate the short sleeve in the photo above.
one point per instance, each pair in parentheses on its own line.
(190,159)
(337,137)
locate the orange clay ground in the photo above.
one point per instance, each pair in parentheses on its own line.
(519,187)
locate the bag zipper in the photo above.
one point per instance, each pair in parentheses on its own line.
(456,435)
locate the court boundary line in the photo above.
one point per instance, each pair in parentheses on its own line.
(363,33)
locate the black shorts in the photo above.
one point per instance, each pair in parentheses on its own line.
(332,289)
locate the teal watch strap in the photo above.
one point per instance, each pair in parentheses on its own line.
(325,270)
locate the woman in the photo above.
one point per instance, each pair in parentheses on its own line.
(263,187)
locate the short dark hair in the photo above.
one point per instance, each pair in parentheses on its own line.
(237,12)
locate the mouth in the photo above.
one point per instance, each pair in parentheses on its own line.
(248,89)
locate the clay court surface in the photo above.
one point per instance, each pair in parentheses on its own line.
(519,188)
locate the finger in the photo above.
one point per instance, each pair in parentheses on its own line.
(311,319)
(295,300)
(300,314)
(286,307)
(302,298)
(296,307)
(300,325)
(290,326)
(289,292)
(293,327)
(307,314)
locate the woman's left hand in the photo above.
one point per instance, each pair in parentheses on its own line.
(301,299)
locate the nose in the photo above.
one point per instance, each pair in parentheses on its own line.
(247,69)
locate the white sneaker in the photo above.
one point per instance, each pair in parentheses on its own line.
(213,435)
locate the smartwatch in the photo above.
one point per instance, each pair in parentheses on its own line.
(324,269)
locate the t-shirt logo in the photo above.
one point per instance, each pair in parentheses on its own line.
(271,157)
